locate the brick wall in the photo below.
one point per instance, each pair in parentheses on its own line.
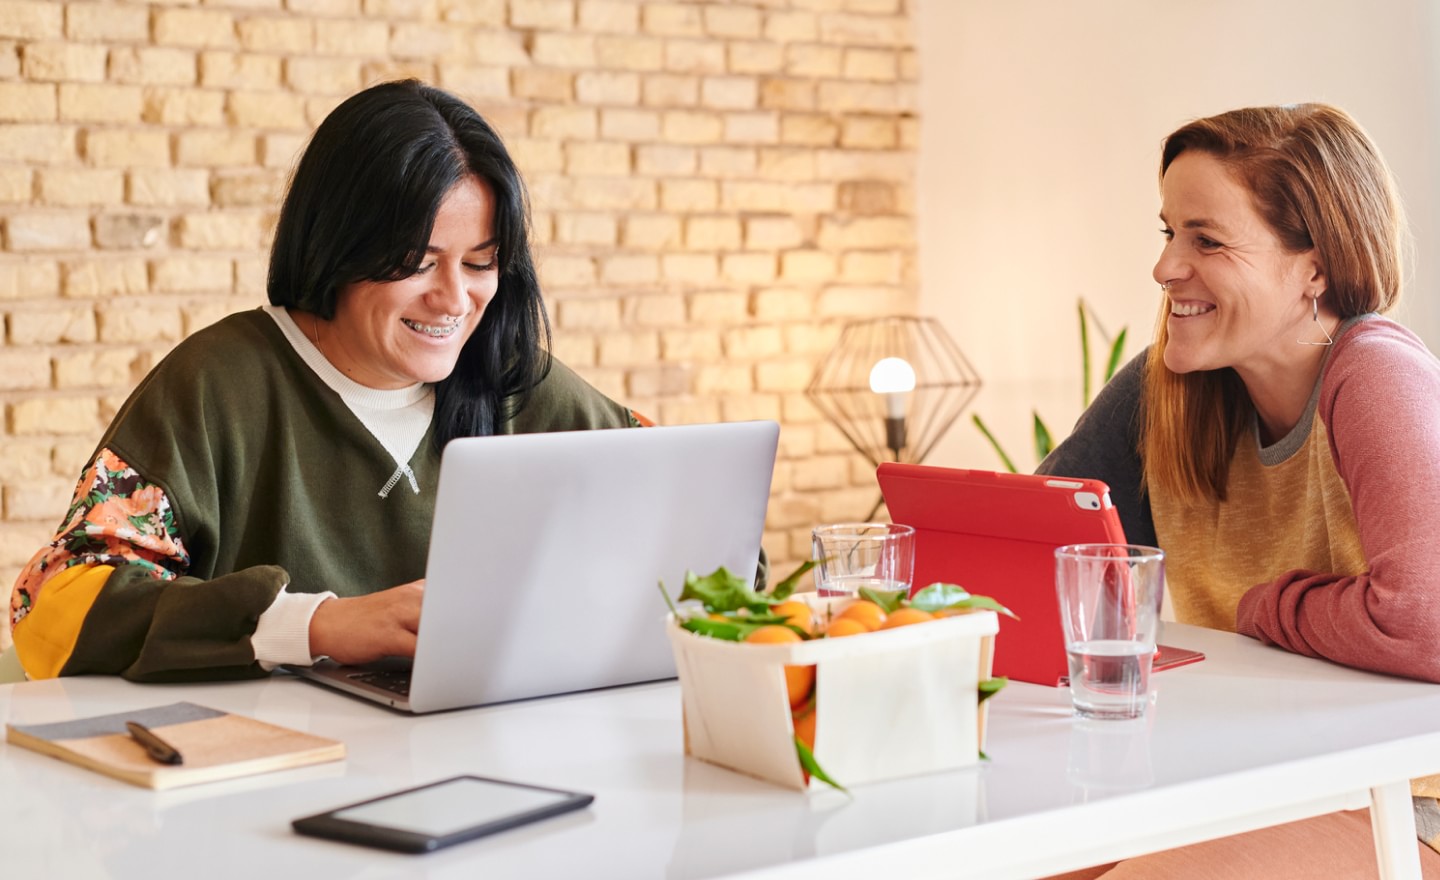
(717,187)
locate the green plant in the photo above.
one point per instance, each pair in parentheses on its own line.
(1044,441)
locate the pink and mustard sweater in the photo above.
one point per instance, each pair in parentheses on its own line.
(1326,546)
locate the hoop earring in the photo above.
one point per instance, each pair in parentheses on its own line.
(1315,316)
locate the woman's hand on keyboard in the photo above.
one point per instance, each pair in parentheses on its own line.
(365,628)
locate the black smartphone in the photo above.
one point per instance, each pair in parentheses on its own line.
(440,814)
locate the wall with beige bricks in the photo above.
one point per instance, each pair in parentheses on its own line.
(717,186)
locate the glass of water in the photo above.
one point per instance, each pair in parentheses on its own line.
(1110,598)
(849,556)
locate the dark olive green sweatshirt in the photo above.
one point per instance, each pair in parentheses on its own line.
(269,477)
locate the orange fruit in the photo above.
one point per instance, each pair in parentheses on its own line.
(773,634)
(845,626)
(905,617)
(796,613)
(798,679)
(870,615)
(805,728)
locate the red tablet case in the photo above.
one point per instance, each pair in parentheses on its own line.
(995,534)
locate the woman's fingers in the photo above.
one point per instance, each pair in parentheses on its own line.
(364,628)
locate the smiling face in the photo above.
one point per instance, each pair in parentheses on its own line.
(392,334)
(1237,298)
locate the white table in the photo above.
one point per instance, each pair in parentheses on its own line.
(1250,737)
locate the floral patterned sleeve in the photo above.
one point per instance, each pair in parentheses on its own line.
(117,518)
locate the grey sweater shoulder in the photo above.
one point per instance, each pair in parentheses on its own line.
(1105,445)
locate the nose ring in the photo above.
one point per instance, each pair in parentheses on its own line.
(1165,287)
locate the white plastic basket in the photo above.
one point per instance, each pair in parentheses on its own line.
(892,703)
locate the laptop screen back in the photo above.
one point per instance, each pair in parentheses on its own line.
(547,549)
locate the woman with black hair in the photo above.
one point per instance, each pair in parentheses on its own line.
(265,495)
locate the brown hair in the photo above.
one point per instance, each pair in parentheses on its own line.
(1318,182)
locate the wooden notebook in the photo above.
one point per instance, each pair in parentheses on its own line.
(213,744)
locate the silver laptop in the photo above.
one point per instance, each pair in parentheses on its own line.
(545,555)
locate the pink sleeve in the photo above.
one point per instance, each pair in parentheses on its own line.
(1380,401)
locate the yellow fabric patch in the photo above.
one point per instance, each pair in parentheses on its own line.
(46,636)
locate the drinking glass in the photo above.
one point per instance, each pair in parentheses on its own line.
(849,556)
(1110,598)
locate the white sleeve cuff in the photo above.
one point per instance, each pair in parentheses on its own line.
(282,634)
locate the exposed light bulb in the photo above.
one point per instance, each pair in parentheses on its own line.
(892,378)
(891,375)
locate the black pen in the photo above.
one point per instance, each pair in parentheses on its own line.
(157,748)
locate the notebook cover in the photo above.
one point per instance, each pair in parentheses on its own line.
(995,534)
(215,745)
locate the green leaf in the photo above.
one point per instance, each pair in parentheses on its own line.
(729,630)
(888,600)
(992,686)
(1116,351)
(751,619)
(735,628)
(668,601)
(995,444)
(783,589)
(717,629)
(1084,357)
(722,591)
(937,596)
(807,760)
(986,603)
(1043,443)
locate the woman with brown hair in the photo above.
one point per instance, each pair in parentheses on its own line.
(1280,440)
